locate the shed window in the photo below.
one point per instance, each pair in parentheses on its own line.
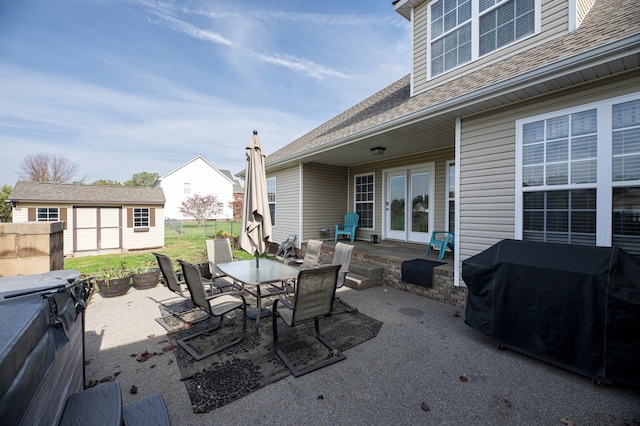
(141,217)
(48,214)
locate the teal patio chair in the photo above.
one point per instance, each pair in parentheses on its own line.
(441,240)
(349,227)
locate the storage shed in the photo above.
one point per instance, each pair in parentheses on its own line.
(96,218)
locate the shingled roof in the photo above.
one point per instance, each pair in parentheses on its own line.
(85,194)
(606,23)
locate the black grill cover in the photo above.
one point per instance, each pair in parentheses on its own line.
(575,306)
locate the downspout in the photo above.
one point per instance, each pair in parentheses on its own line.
(456,246)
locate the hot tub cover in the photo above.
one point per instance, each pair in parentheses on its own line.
(575,306)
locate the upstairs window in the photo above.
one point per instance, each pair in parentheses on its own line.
(464,30)
(187,188)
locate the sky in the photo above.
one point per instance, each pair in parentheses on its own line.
(127,86)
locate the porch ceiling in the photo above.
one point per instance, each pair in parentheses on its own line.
(402,140)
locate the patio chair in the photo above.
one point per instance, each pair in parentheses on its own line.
(441,240)
(170,276)
(287,249)
(219,251)
(216,305)
(342,256)
(312,255)
(316,289)
(349,227)
(311,260)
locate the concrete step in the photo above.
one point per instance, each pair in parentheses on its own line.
(363,275)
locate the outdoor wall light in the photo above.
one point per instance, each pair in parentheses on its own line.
(378,150)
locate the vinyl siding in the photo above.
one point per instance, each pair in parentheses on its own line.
(21,214)
(325,199)
(582,7)
(287,204)
(554,22)
(152,238)
(439,158)
(487,162)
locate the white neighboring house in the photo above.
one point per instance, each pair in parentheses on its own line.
(197,176)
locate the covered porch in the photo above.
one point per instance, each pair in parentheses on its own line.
(389,255)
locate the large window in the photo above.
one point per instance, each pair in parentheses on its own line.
(48,214)
(271,191)
(364,196)
(455,24)
(141,217)
(580,175)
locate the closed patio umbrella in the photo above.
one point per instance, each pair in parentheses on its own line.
(255,233)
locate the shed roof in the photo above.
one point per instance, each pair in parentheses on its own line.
(25,191)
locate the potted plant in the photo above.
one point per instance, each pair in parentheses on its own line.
(146,277)
(113,282)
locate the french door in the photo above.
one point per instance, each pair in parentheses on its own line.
(408,204)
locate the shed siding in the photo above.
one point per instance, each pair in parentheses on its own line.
(152,238)
(287,203)
(487,162)
(554,23)
(326,199)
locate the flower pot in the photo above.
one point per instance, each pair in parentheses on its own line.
(145,280)
(114,286)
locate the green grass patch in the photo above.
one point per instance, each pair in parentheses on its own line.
(189,245)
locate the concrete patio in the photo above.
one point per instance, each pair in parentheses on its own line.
(424,367)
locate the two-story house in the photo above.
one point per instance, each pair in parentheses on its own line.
(519,119)
(198,176)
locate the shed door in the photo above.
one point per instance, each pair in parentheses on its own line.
(97,228)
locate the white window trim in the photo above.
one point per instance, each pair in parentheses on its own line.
(275,204)
(373,175)
(475,38)
(604,183)
(48,209)
(446,195)
(148,218)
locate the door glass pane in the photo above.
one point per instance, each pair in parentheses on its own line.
(397,202)
(420,202)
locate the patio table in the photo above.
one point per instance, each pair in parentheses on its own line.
(269,272)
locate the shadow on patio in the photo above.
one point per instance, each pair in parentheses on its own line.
(425,366)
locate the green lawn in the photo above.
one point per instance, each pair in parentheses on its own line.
(188,245)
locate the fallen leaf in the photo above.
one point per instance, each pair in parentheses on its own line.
(144,356)
(424,407)
(457,314)
(170,362)
(566,422)
(334,353)
(168,348)
(320,396)
(464,378)
(162,341)
(139,369)
(117,373)
(151,336)
(106,379)
(385,290)
(152,366)
(133,390)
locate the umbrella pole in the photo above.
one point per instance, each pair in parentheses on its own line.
(257,260)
